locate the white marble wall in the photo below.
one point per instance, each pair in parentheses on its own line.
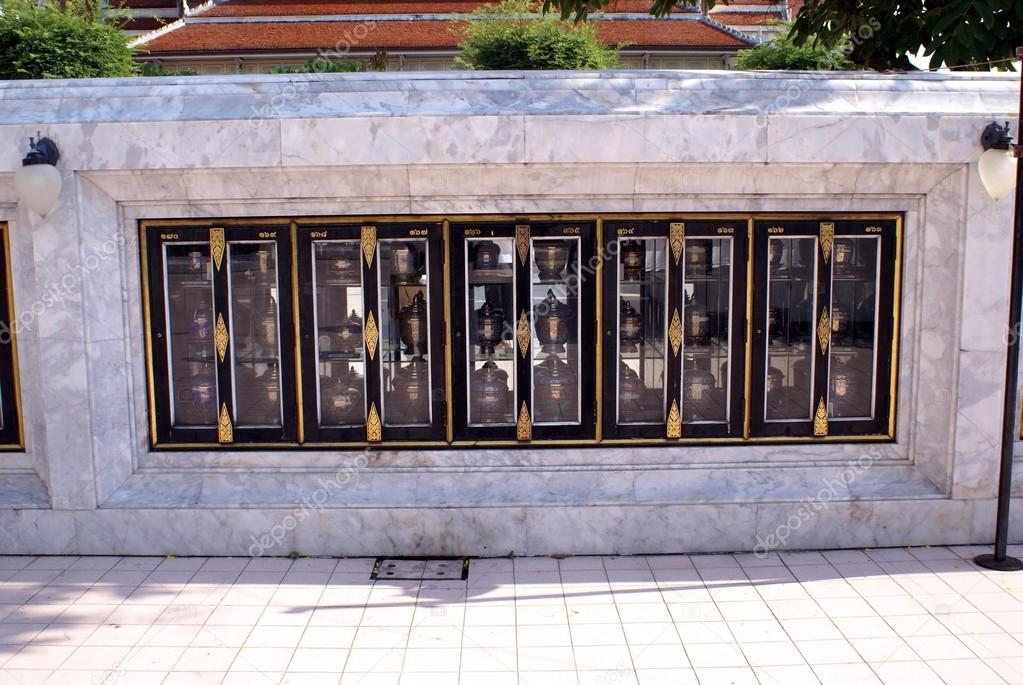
(509,143)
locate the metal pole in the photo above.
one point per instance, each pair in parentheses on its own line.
(1000,560)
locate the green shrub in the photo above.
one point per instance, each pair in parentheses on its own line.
(61,39)
(320,65)
(512,36)
(782,54)
(150,69)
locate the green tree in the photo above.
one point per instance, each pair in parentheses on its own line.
(883,34)
(783,53)
(512,36)
(61,39)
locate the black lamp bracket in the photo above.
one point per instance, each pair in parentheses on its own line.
(996,137)
(41,151)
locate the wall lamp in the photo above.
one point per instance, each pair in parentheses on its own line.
(37,181)
(998,163)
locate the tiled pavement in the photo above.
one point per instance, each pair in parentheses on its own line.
(892,616)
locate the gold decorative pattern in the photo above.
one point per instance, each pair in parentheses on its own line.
(824,330)
(675,332)
(827,239)
(674,421)
(524,428)
(369,243)
(820,421)
(374,430)
(522,242)
(523,334)
(225,431)
(677,238)
(217,244)
(221,337)
(371,335)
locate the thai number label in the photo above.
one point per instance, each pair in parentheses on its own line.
(572,230)
(268,234)
(726,230)
(472,231)
(418,232)
(776,229)
(169,236)
(873,229)
(318,234)
(626,231)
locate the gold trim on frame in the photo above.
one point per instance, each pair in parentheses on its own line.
(827,236)
(297,333)
(747,404)
(449,420)
(371,335)
(522,242)
(374,429)
(18,418)
(524,427)
(824,330)
(225,431)
(677,238)
(369,243)
(217,245)
(820,420)
(221,337)
(675,332)
(674,427)
(523,334)
(896,314)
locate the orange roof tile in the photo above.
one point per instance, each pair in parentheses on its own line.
(390,35)
(277,8)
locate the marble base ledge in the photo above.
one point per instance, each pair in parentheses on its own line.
(23,491)
(490,531)
(351,489)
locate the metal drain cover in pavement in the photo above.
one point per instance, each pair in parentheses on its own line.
(420,569)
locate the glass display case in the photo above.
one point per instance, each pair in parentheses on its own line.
(369,324)
(512,330)
(523,321)
(10,415)
(220,334)
(823,327)
(674,321)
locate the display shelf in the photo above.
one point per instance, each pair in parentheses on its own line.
(499,276)
(338,357)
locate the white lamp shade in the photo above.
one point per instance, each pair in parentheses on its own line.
(997,173)
(38,186)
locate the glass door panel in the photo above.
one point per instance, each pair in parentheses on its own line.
(404,305)
(191,351)
(255,347)
(220,333)
(825,315)
(490,312)
(854,327)
(707,308)
(554,295)
(641,325)
(791,305)
(338,319)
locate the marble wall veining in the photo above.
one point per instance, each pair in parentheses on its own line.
(478,143)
